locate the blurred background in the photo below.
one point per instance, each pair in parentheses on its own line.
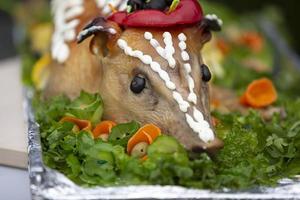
(288,9)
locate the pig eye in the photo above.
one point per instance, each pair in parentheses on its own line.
(206,75)
(138,84)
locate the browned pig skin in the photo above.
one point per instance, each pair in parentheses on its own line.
(130,89)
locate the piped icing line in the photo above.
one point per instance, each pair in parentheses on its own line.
(187,67)
(65,23)
(197,122)
(146,59)
(167,52)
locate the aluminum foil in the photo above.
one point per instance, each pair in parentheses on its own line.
(46,183)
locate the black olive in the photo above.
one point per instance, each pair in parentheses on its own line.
(136,5)
(156,5)
(138,84)
(206,75)
(169,2)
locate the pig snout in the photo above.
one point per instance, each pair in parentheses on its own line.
(191,140)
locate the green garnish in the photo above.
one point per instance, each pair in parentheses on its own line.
(255,152)
(174,5)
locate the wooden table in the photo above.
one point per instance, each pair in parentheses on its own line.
(13,138)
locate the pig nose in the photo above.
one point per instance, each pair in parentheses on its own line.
(211,148)
(214,146)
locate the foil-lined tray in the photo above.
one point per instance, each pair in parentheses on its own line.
(46,183)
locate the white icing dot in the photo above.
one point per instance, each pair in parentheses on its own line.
(182,45)
(185,56)
(170,50)
(167,35)
(164,75)
(154,43)
(100,3)
(204,132)
(128,51)
(187,68)
(155,66)
(63,53)
(122,44)
(191,82)
(192,98)
(72,24)
(172,62)
(198,115)
(74,12)
(148,36)
(70,35)
(161,51)
(170,85)
(207,136)
(182,37)
(112,31)
(147,59)
(204,124)
(137,54)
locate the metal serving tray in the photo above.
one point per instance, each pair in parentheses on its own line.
(46,183)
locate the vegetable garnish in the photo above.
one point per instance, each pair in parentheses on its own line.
(40,71)
(260,93)
(113,8)
(121,133)
(103,129)
(173,6)
(252,40)
(255,151)
(82,124)
(138,143)
(187,12)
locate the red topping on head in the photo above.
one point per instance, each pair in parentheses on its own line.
(188,12)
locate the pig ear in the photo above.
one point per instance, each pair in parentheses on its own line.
(105,34)
(204,29)
(211,23)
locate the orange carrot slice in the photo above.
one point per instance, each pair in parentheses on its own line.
(103,127)
(82,124)
(260,93)
(243,100)
(215,121)
(253,40)
(147,133)
(223,46)
(144,158)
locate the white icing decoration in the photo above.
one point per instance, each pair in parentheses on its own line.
(167,52)
(197,122)
(74,12)
(147,59)
(192,97)
(187,67)
(183,105)
(148,35)
(65,23)
(214,17)
(65,13)
(182,45)
(182,37)
(185,56)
